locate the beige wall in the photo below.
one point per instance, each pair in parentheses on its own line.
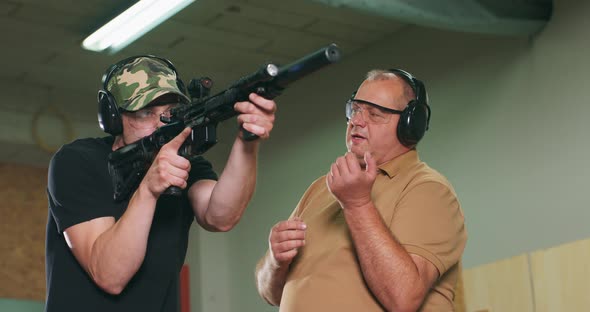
(560,277)
(553,279)
(23,215)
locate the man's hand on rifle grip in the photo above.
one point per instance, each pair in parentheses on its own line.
(168,168)
(256,115)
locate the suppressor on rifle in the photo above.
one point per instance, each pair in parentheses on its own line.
(307,64)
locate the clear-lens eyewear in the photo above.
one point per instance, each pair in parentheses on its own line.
(149,117)
(370,112)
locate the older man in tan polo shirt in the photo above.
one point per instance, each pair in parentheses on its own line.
(382,230)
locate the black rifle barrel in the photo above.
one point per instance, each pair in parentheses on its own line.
(304,66)
(265,73)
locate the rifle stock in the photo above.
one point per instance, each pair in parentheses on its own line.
(129,164)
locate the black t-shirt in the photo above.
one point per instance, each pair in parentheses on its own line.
(80,189)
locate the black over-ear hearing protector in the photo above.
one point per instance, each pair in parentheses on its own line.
(109,114)
(414,119)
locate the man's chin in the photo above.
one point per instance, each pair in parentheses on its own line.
(358,151)
(360,156)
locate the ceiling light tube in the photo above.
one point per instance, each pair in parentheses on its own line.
(132,24)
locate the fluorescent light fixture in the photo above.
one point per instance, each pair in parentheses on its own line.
(132,24)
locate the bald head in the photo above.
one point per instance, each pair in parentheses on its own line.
(407,93)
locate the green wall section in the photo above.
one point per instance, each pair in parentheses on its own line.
(13,305)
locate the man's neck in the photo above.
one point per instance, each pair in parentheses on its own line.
(119,142)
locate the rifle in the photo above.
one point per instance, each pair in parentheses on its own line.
(129,164)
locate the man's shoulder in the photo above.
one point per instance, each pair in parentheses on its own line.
(423,173)
(316,188)
(318,184)
(83,149)
(89,143)
(86,144)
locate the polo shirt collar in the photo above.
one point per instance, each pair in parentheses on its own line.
(394,166)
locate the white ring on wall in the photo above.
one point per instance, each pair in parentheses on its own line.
(67,124)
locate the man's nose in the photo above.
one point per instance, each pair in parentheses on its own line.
(358,119)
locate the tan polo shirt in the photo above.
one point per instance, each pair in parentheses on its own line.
(420,208)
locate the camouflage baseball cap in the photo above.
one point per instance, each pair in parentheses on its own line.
(137,83)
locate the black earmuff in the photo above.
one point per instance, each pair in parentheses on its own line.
(109,116)
(415,118)
(109,113)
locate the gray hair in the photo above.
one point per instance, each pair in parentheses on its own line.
(383,74)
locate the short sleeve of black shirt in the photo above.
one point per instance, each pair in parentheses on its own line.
(201,169)
(79,185)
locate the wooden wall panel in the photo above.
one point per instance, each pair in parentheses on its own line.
(23,216)
(561,277)
(502,286)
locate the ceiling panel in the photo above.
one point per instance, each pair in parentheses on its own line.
(172,32)
(270,16)
(46,36)
(201,12)
(8,8)
(46,13)
(342,15)
(347,32)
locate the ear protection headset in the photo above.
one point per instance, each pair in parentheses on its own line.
(109,112)
(414,119)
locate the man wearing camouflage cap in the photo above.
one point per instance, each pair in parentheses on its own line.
(141,81)
(103,255)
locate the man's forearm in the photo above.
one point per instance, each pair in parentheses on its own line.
(235,187)
(118,253)
(270,280)
(388,269)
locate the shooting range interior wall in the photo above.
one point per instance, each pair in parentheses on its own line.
(509,130)
(553,279)
(23,216)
